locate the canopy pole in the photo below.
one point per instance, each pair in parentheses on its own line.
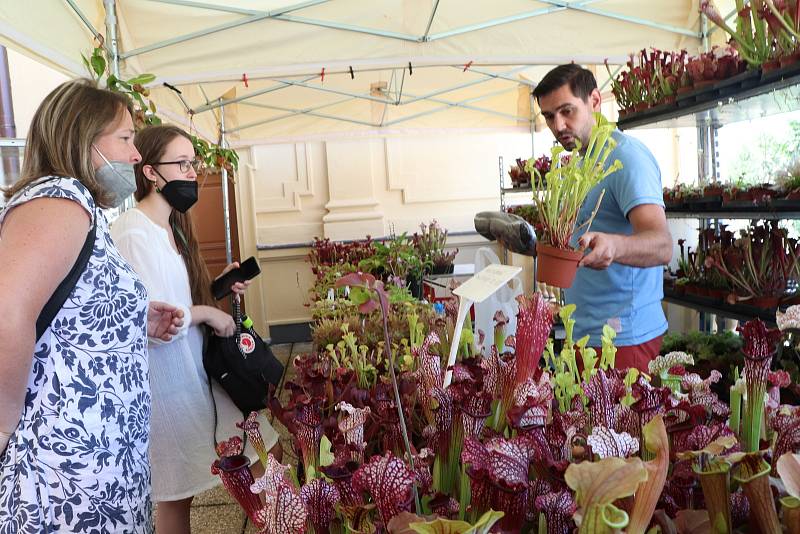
(113,52)
(533,125)
(111,34)
(704,31)
(224,185)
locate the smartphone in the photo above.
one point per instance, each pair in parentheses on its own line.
(248,269)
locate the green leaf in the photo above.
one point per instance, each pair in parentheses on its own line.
(87,64)
(325,455)
(98,63)
(614,517)
(142,79)
(358,295)
(311,473)
(449,526)
(487,521)
(441,526)
(609,332)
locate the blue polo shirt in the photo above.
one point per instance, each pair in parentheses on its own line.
(627,298)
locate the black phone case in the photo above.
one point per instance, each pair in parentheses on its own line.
(248,269)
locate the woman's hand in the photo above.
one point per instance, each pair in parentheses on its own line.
(163,320)
(238,287)
(220,321)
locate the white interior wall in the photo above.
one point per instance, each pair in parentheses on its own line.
(350,188)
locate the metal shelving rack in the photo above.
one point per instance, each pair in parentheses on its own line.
(748,96)
(509,190)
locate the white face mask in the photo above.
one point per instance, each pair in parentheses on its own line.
(116,178)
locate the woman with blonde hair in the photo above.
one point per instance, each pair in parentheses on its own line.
(157,237)
(74,391)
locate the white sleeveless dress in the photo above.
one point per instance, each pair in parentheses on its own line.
(77,462)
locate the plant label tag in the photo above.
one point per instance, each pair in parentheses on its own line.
(485,283)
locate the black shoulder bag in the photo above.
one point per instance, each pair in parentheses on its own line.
(62,292)
(243,365)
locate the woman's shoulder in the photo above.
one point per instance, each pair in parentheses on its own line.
(131,222)
(54,187)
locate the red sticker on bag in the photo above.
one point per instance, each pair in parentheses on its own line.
(247,343)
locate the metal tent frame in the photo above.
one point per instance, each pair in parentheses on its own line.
(289,14)
(394,96)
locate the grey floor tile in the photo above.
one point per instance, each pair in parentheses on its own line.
(217,495)
(282,352)
(251,528)
(220,519)
(300,348)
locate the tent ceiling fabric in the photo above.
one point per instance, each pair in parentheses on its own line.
(283,45)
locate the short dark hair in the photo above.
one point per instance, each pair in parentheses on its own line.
(581,81)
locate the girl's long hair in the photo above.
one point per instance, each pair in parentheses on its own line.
(152,143)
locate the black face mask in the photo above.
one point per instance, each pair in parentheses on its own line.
(180,194)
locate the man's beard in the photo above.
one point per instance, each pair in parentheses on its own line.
(567,139)
(571,141)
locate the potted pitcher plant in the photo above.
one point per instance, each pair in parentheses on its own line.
(559,195)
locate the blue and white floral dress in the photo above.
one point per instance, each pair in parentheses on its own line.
(77,462)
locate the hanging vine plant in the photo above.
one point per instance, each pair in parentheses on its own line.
(212,155)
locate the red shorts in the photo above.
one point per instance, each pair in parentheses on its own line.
(638,355)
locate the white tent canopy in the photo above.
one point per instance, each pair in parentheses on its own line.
(388,64)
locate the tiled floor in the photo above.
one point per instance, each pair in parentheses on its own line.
(214,511)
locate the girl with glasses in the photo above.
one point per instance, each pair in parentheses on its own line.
(158,239)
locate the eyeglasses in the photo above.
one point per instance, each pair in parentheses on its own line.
(185,164)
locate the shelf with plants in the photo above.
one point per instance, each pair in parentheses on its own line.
(520,175)
(677,213)
(507,190)
(748,274)
(755,76)
(520,178)
(750,97)
(738,201)
(740,312)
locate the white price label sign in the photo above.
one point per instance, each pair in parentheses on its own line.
(482,285)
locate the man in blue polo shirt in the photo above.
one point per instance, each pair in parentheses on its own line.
(620,279)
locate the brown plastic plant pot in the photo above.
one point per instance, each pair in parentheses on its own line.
(717,293)
(770,65)
(765,303)
(791,59)
(556,266)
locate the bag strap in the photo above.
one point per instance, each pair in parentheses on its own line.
(62,292)
(237,318)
